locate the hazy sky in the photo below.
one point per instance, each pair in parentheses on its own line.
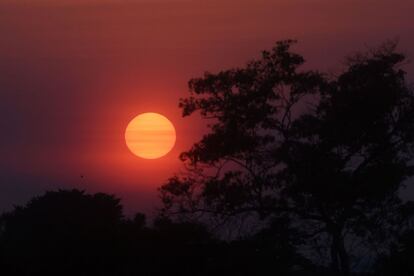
(73,73)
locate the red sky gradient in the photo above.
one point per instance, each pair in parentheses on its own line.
(74,73)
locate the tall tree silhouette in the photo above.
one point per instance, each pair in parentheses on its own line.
(330,154)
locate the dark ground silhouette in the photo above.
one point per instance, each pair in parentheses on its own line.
(73,233)
(304,168)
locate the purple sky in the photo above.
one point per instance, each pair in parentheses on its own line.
(73,73)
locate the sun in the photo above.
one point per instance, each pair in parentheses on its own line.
(150,135)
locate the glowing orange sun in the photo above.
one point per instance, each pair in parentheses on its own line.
(150,135)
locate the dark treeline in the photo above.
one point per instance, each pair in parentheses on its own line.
(305,169)
(73,233)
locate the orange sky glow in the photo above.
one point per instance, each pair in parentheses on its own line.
(74,73)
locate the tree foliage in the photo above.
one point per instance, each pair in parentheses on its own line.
(328,153)
(74,233)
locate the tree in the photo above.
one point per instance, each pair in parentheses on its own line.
(69,232)
(63,232)
(399,261)
(329,154)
